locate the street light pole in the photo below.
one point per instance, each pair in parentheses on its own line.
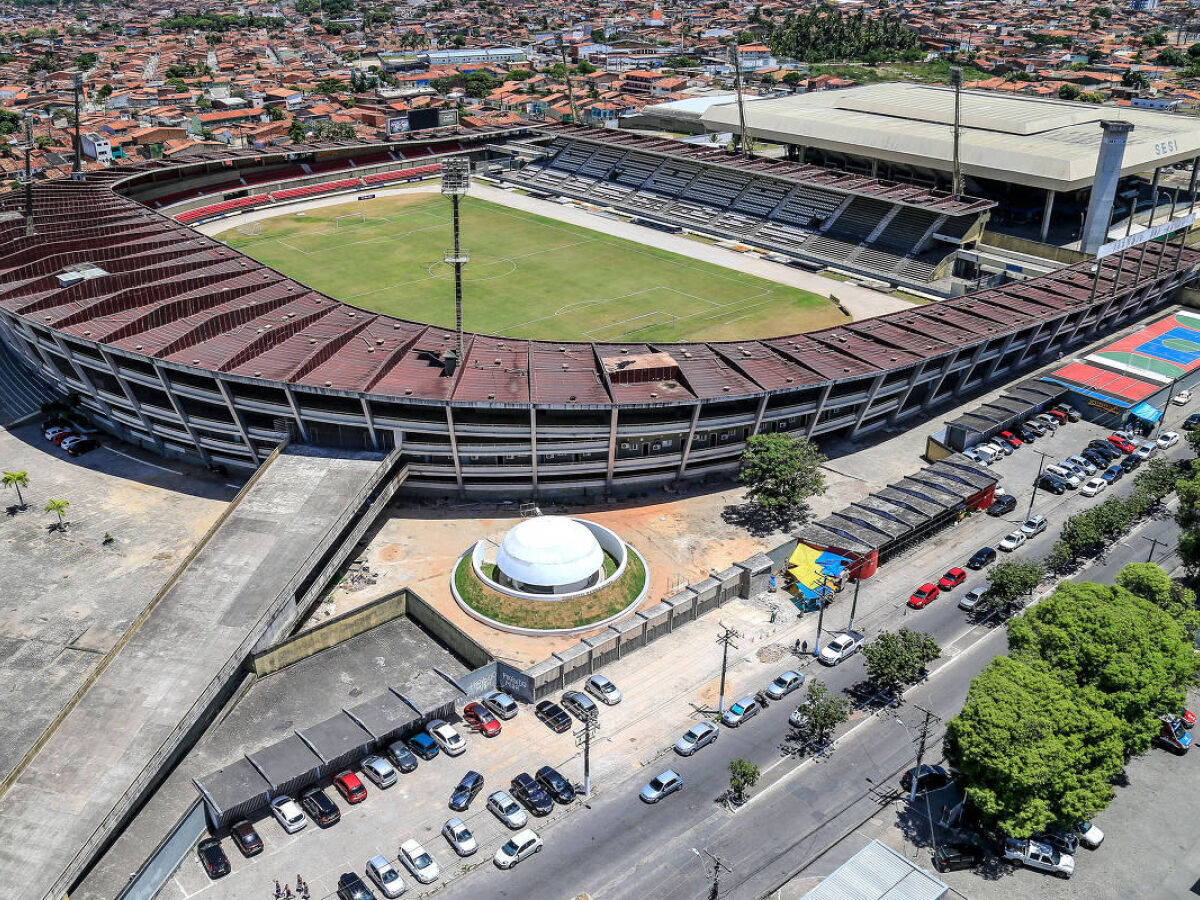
(718,864)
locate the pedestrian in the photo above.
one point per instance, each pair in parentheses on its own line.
(287,892)
(796,646)
(299,883)
(804,647)
(278,890)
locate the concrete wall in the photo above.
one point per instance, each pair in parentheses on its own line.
(1033,248)
(158,868)
(466,647)
(746,579)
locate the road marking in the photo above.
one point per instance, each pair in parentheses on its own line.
(142,461)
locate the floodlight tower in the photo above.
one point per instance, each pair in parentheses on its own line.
(956,82)
(27,147)
(736,59)
(456,179)
(77,168)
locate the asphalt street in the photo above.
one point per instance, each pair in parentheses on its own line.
(620,847)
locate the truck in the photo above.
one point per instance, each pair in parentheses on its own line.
(1039,855)
(1174,735)
(840,646)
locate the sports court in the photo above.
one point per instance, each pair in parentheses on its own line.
(528,276)
(1169,347)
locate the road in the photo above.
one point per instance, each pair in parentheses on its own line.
(620,847)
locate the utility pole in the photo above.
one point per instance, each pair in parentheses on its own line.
(1038,478)
(77,168)
(583,739)
(727,640)
(736,59)
(718,865)
(28,148)
(854,602)
(456,179)
(821,612)
(562,51)
(922,740)
(956,81)
(1154,542)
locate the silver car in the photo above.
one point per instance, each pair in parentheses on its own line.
(502,705)
(418,861)
(784,684)
(661,786)
(742,711)
(603,690)
(971,598)
(459,837)
(380,771)
(507,810)
(698,736)
(384,874)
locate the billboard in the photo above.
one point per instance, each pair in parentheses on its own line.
(447,118)
(396,125)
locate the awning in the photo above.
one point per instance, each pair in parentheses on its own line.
(1146,412)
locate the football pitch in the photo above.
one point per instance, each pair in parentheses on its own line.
(528,277)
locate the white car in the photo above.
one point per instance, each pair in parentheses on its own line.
(446,737)
(521,845)
(841,646)
(975,456)
(1146,450)
(971,598)
(603,690)
(1012,541)
(1093,486)
(384,874)
(459,837)
(507,810)
(1183,398)
(1089,468)
(698,736)
(380,771)
(288,813)
(1039,855)
(784,684)
(1002,447)
(419,862)
(1167,440)
(1089,835)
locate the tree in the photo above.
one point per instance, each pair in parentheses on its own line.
(1171,57)
(59,508)
(894,661)
(743,775)
(298,132)
(1010,583)
(1135,79)
(823,712)
(1120,652)
(782,472)
(275,112)
(793,78)
(17,479)
(1069,92)
(1148,581)
(1029,752)
(1156,479)
(597,35)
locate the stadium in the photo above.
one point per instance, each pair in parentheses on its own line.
(192,348)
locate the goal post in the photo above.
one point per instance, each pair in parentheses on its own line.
(250,229)
(347,219)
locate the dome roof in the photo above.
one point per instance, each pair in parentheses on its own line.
(549,550)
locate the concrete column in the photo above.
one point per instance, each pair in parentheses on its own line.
(687,442)
(291,399)
(458,476)
(237,420)
(1192,184)
(862,413)
(816,415)
(758,416)
(912,384)
(1047,213)
(179,411)
(533,451)
(1104,185)
(612,448)
(370,419)
(1154,194)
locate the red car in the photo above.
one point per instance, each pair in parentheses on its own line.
(1010,438)
(350,787)
(479,718)
(1121,444)
(923,596)
(62,436)
(1188,718)
(952,579)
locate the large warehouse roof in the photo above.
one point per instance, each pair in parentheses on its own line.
(1034,142)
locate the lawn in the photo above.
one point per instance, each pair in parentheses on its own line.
(529,276)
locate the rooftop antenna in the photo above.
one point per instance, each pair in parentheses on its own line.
(736,58)
(28,148)
(456,179)
(77,168)
(956,82)
(562,51)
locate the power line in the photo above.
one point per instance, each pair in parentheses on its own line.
(718,865)
(726,639)
(922,740)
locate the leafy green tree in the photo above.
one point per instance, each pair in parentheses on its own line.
(896,660)
(298,132)
(1171,57)
(1030,752)
(1150,582)
(598,35)
(793,78)
(329,86)
(17,479)
(822,33)
(1156,479)
(85,61)
(1135,79)
(1121,652)
(518,75)
(823,711)
(1010,583)
(782,472)
(59,508)
(743,775)
(1068,92)
(275,112)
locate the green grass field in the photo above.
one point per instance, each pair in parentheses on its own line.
(529,276)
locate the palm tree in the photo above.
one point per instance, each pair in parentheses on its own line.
(58,507)
(17,480)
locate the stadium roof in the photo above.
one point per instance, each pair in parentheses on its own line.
(1024,140)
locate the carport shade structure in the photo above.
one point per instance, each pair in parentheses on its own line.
(385,716)
(234,792)
(339,741)
(432,695)
(288,765)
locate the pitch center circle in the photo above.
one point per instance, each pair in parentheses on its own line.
(480,268)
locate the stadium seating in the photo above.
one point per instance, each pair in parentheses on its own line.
(311,190)
(208,212)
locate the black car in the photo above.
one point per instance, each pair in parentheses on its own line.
(529,793)
(1065,841)
(959,855)
(931,778)
(1191,422)
(1002,505)
(557,786)
(983,556)
(553,715)
(213,858)
(1036,427)
(351,887)
(1052,483)
(580,705)
(1105,449)
(1095,457)
(468,789)
(1026,435)
(319,807)
(1131,462)
(246,838)
(78,448)
(401,757)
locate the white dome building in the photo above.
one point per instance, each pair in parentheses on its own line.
(549,555)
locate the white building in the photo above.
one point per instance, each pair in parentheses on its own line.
(549,555)
(96,146)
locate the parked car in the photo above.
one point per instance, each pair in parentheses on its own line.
(1063,841)
(246,839)
(1104,448)
(924,595)
(1089,835)
(520,846)
(384,874)
(1052,483)
(530,794)
(507,810)
(784,684)
(580,705)
(465,791)
(1191,422)
(1146,450)
(1048,420)
(1113,474)
(287,812)
(213,858)
(479,718)
(556,786)
(56,433)
(952,579)
(1093,486)
(1173,735)
(1073,414)
(76,445)
(956,856)
(350,786)
(459,837)
(418,861)
(1026,435)
(1039,855)
(1121,443)
(1012,541)
(696,738)
(401,757)
(1002,506)
(984,556)
(840,647)
(1188,718)
(1001,446)
(319,807)
(975,456)
(351,887)
(1069,478)
(1009,438)
(1060,415)
(553,715)
(1034,526)
(660,786)
(380,771)
(971,598)
(603,690)
(446,737)
(1131,462)
(1082,464)
(1183,398)
(930,778)
(502,705)
(742,711)
(423,745)
(1167,440)
(1096,458)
